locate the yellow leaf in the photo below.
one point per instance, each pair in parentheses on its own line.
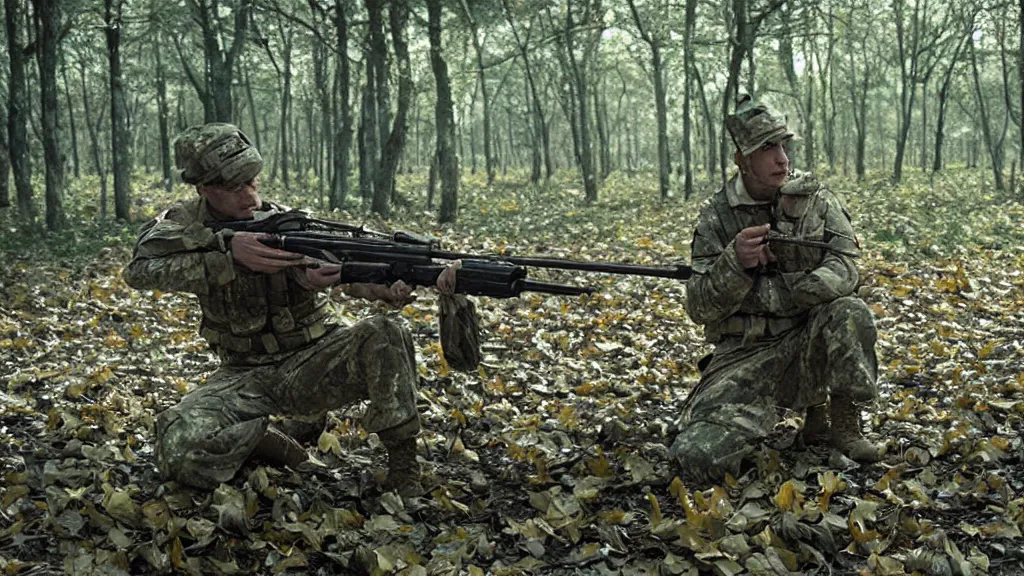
(987,350)
(328,442)
(789,497)
(600,466)
(655,509)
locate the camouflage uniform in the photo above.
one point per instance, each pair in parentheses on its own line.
(787,335)
(280,353)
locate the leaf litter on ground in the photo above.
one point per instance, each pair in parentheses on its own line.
(551,457)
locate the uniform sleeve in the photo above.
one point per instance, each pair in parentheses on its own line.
(719,283)
(174,254)
(837,274)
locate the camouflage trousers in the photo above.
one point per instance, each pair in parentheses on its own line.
(204,439)
(745,387)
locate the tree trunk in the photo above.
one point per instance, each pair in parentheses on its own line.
(579,72)
(940,119)
(1020,80)
(709,125)
(370,143)
(377,58)
(18,111)
(162,113)
(986,127)
(320,65)
(810,156)
(470,118)
(92,126)
(535,134)
(432,182)
(256,132)
(688,66)
(71,118)
(118,110)
(729,96)
(481,78)
(602,136)
(342,111)
(5,162)
(220,61)
(286,105)
(908,87)
(661,108)
(48,17)
(391,152)
(448,162)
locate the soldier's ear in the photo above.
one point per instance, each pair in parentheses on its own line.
(740,160)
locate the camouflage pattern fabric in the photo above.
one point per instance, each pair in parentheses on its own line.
(754,124)
(460,332)
(280,354)
(786,335)
(203,440)
(216,153)
(248,317)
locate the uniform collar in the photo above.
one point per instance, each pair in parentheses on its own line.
(737,195)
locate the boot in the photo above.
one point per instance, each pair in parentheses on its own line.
(403,469)
(279,449)
(302,430)
(816,428)
(846,435)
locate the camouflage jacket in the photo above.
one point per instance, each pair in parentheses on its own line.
(770,300)
(246,315)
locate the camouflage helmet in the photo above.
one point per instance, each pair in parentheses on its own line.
(216,153)
(754,124)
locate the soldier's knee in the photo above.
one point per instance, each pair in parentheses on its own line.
(200,452)
(703,452)
(853,312)
(384,331)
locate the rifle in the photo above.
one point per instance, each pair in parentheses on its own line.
(369,256)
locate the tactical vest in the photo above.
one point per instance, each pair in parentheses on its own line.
(762,313)
(257,313)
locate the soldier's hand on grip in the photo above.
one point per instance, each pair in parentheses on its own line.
(752,248)
(323,275)
(247,250)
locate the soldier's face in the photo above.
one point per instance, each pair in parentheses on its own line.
(233,202)
(770,164)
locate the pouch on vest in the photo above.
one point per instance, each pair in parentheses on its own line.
(460,332)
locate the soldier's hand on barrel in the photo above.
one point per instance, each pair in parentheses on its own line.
(446,280)
(247,250)
(752,247)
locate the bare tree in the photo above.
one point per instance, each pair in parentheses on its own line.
(444,120)
(342,112)
(215,89)
(391,151)
(18,110)
(48,22)
(112,20)
(655,42)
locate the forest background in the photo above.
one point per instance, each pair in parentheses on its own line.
(575,128)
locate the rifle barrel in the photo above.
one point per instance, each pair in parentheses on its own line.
(552,288)
(384,250)
(679,273)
